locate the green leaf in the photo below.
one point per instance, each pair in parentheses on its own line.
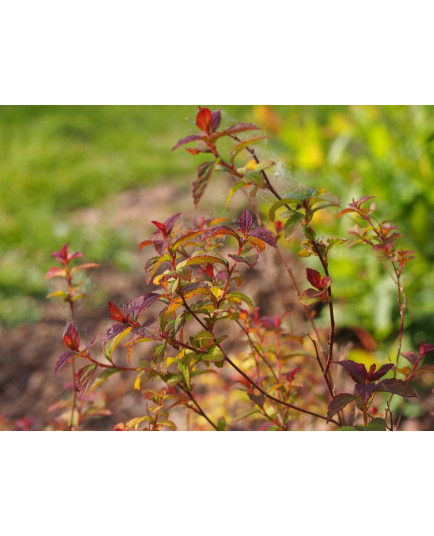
(172,379)
(346,429)
(178,302)
(185,371)
(214,354)
(309,297)
(221,425)
(58,294)
(153,264)
(110,346)
(297,197)
(242,145)
(188,237)
(103,377)
(206,259)
(159,357)
(266,164)
(376,425)
(291,224)
(233,190)
(168,424)
(205,173)
(256,178)
(238,297)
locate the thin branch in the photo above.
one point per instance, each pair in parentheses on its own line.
(252,382)
(257,349)
(200,410)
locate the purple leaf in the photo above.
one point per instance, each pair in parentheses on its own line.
(140,303)
(265,235)
(115,330)
(221,230)
(148,330)
(160,245)
(170,222)
(365,390)
(250,260)
(397,387)
(357,371)
(246,221)
(234,129)
(96,339)
(205,173)
(215,120)
(61,362)
(411,356)
(259,400)
(85,378)
(338,403)
(188,139)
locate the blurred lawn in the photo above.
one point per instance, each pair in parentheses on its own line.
(57,159)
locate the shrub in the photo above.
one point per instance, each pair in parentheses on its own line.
(198,333)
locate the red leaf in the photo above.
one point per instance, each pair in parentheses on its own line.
(425,348)
(188,139)
(314,278)
(145,243)
(161,227)
(61,362)
(71,338)
(116,314)
(338,403)
(204,119)
(357,371)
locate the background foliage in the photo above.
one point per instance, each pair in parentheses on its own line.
(55,160)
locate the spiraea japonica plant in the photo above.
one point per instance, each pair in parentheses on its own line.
(199,342)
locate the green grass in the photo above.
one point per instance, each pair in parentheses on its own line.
(55,160)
